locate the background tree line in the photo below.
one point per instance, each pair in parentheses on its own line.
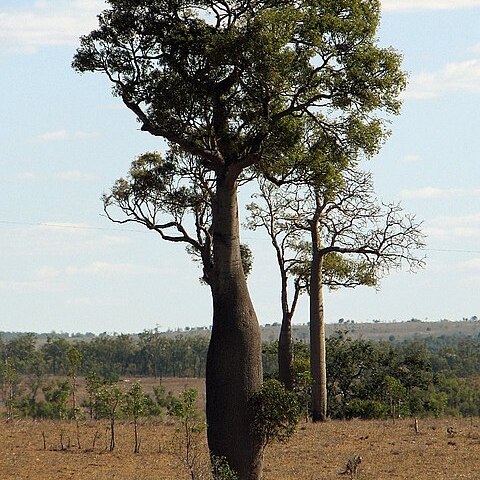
(368,379)
(110,356)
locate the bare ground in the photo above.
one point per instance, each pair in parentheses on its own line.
(390,450)
(48,450)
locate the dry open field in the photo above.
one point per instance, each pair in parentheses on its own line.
(389,450)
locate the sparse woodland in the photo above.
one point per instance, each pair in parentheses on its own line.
(366,379)
(290,97)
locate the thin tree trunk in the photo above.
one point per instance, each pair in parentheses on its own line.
(285,352)
(112,434)
(74,398)
(318,365)
(135,428)
(234,363)
(285,347)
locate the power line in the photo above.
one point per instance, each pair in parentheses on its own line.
(450,250)
(120,230)
(73,227)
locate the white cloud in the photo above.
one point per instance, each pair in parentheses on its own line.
(410,158)
(74,176)
(475,48)
(453,77)
(47,273)
(425,192)
(68,228)
(42,23)
(38,285)
(52,136)
(105,268)
(411,5)
(26,176)
(64,176)
(79,135)
(434,192)
(471,265)
(464,227)
(65,135)
(60,240)
(79,301)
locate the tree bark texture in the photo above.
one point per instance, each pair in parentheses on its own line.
(318,365)
(234,360)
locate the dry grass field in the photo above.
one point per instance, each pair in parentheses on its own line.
(389,450)
(48,450)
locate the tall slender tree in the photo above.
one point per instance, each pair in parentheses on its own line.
(232,84)
(276,211)
(343,218)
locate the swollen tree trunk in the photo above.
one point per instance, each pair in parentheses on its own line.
(318,365)
(234,360)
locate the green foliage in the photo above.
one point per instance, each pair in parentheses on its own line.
(163,399)
(184,409)
(135,402)
(247,259)
(462,395)
(108,399)
(243,85)
(276,412)
(92,384)
(10,385)
(367,409)
(188,442)
(343,271)
(151,353)
(22,352)
(367,377)
(55,353)
(55,405)
(74,357)
(408,378)
(302,376)
(395,394)
(301,370)
(221,470)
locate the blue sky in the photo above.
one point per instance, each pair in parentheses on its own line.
(65,139)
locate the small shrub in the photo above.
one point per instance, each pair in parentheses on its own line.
(221,470)
(276,412)
(188,444)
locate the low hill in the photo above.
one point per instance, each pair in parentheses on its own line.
(385,331)
(395,331)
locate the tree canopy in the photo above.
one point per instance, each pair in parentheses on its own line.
(245,82)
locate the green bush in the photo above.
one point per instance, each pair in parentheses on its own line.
(367,409)
(276,412)
(54,406)
(221,470)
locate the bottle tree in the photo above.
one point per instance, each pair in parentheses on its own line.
(233,83)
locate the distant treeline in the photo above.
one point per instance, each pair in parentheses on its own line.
(149,353)
(365,378)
